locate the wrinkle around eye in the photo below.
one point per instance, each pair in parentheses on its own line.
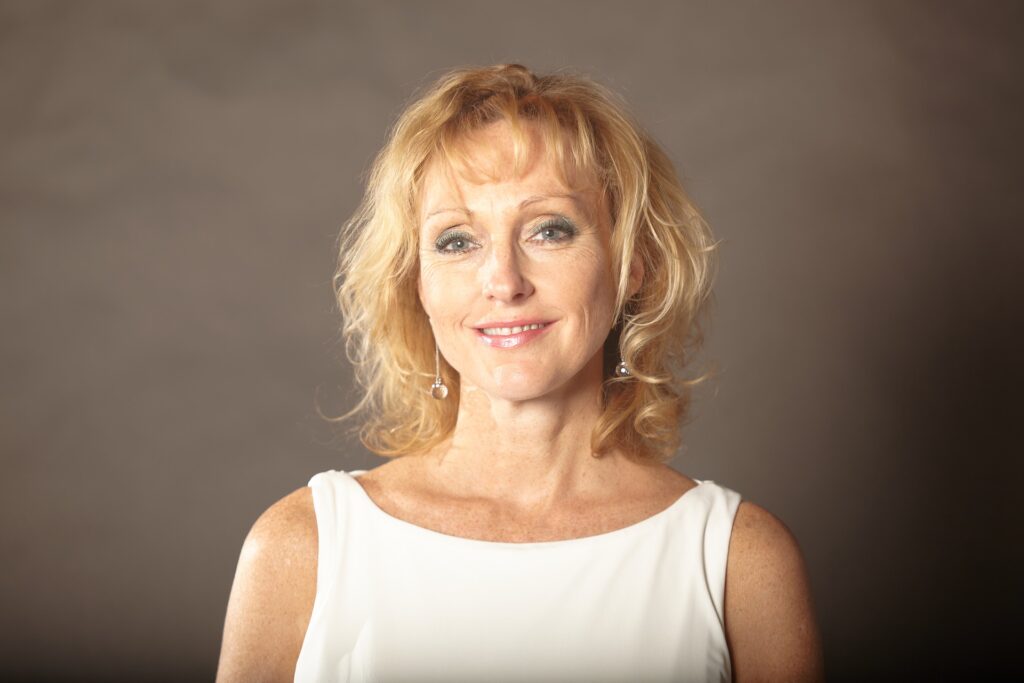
(449,237)
(565,226)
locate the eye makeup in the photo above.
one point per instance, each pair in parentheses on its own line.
(560,229)
(452,237)
(555,230)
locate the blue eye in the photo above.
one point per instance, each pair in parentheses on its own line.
(453,243)
(558,229)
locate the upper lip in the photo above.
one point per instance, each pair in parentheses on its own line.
(513,323)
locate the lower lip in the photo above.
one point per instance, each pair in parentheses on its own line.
(510,341)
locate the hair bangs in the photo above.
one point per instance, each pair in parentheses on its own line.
(538,131)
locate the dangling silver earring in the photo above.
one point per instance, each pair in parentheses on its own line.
(621,370)
(438,389)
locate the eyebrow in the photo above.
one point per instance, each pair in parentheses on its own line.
(574,197)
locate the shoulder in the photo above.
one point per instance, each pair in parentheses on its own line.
(283,540)
(759,536)
(769,615)
(289,523)
(273,592)
(654,481)
(279,555)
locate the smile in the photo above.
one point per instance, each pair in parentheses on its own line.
(505,331)
(511,337)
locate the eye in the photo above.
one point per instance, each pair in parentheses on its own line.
(453,243)
(558,229)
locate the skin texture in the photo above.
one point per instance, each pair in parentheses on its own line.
(518,467)
(272,595)
(770,625)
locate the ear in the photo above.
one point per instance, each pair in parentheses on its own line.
(636,274)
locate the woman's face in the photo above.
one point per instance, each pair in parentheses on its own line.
(515,272)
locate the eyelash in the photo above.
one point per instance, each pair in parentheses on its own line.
(561,223)
(444,240)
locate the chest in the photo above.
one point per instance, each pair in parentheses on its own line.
(486,521)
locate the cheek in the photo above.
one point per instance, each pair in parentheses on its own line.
(598,307)
(431,285)
(424,289)
(440,292)
(586,285)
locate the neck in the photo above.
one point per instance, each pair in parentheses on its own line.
(527,453)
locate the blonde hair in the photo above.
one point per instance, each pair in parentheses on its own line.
(388,338)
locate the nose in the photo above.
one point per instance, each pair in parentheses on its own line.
(502,276)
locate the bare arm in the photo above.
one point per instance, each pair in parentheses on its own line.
(272,595)
(769,616)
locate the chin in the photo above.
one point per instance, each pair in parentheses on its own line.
(515,385)
(517,394)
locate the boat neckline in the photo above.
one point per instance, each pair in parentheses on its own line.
(614,534)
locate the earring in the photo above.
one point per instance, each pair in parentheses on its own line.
(622,370)
(438,390)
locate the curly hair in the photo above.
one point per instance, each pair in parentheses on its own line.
(388,338)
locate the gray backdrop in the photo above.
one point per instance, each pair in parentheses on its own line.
(172,177)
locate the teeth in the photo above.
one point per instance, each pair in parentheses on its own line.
(505,331)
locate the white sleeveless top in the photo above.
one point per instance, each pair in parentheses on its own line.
(396,602)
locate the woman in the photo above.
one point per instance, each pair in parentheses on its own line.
(521,288)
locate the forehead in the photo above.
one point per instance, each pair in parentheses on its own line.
(498,156)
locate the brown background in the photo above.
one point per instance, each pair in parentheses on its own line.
(172,177)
